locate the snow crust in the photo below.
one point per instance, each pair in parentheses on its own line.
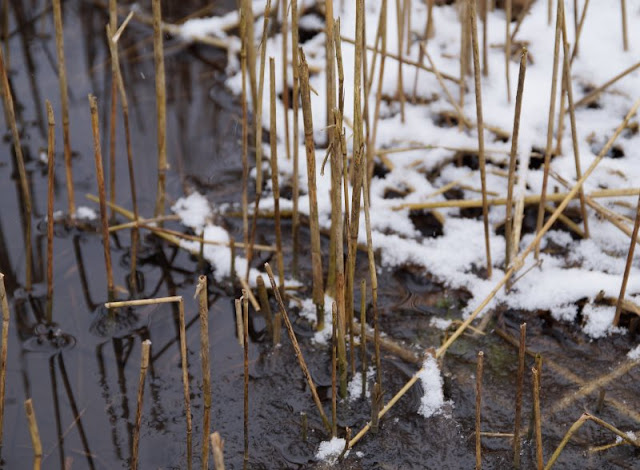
(432,401)
(329,451)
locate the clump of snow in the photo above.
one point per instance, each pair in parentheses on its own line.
(634,354)
(329,451)
(440,323)
(355,385)
(431,380)
(599,320)
(308,312)
(85,213)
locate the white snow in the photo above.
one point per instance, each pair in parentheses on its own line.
(634,354)
(431,380)
(85,213)
(329,451)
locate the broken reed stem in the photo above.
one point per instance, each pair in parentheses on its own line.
(64,100)
(507,47)
(625,37)
(316,254)
(550,122)
(516,264)
(536,416)
(239,328)
(144,365)
(161,106)
(285,74)
(568,86)
(274,171)
(481,155)
(51,139)
(115,58)
(248,37)
(4,303)
(513,157)
(217,449)
(252,299)
(295,221)
(113,24)
(627,267)
(34,433)
(519,389)
(334,352)
(479,371)
(265,307)
(203,310)
(296,348)
(363,335)
(185,378)
(24,184)
(97,152)
(245,350)
(577,425)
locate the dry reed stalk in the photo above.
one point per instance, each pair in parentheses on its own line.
(316,254)
(536,416)
(516,264)
(296,348)
(161,106)
(277,328)
(304,424)
(245,132)
(285,75)
(252,299)
(245,350)
(464,50)
(479,371)
(334,353)
(376,404)
(593,94)
(142,302)
(481,156)
(330,68)
(532,199)
(507,47)
(561,111)
(93,105)
(64,99)
(295,221)
(217,449)
(371,143)
(577,425)
(519,389)
(141,221)
(51,139)
(115,58)
(113,24)
(400,17)
(627,267)
(239,332)
(513,156)
(249,39)
(583,15)
(363,335)
(381,24)
(265,307)
(428,33)
(274,171)
(625,37)
(572,118)
(34,433)
(523,13)
(4,303)
(203,310)
(22,173)
(550,122)
(144,365)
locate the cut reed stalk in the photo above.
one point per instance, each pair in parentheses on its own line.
(363,335)
(479,371)
(550,122)
(625,37)
(295,221)
(513,157)
(277,328)
(252,299)
(239,328)
(316,254)
(113,25)
(516,264)
(144,365)
(334,352)
(296,348)
(519,389)
(265,307)
(115,58)
(217,449)
(572,118)
(64,100)
(481,156)
(376,404)
(537,418)
(203,310)
(507,47)
(51,139)
(22,172)
(34,433)
(97,152)
(185,379)
(274,171)
(161,106)
(245,343)
(250,47)
(4,303)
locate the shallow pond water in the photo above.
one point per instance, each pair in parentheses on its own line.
(82,372)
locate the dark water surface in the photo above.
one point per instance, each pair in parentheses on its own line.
(82,372)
